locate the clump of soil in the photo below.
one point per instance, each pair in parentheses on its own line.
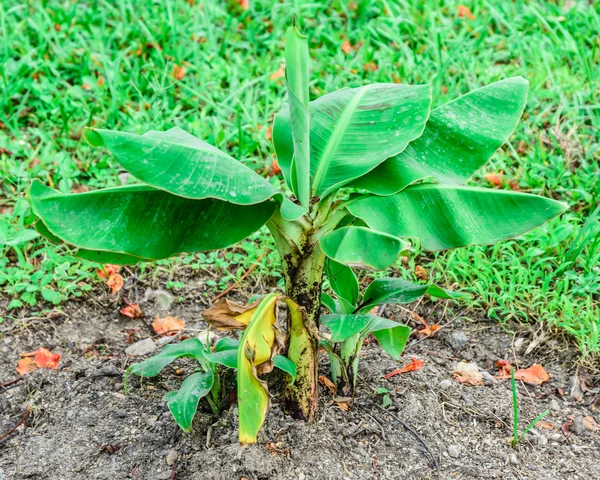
(82,426)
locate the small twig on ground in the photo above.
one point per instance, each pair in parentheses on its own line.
(417,436)
(7,384)
(19,423)
(242,278)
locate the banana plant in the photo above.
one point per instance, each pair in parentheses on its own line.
(366,170)
(258,344)
(351,319)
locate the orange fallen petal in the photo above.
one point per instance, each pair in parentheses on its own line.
(269,132)
(44,358)
(343,405)
(278,74)
(132,310)
(347,46)
(168,325)
(107,270)
(503,367)
(115,282)
(494,178)
(465,12)
(178,72)
(534,374)
(26,365)
(275,169)
(414,365)
(545,425)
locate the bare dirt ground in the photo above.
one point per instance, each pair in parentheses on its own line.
(82,426)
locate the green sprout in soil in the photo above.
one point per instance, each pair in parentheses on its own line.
(516,437)
(366,169)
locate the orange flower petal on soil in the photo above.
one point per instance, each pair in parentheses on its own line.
(26,365)
(115,282)
(107,270)
(132,310)
(414,365)
(168,325)
(534,374)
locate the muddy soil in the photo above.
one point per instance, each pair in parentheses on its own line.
(81,425)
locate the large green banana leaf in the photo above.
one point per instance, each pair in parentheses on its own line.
(459,138)
(362,247)
(144,222)
(297,78)
(355,129)
(443,216)
(186,166)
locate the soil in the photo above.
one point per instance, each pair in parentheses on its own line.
(81,425)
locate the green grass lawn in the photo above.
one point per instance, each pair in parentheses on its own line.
(69,64)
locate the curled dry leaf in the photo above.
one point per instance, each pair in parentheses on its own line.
(40,358)
(467,373)
(343,405)
(591,424)
(168,325)
(428,330)
(545,425)
(414,365)
(328,383)
(132,310)
(421,273)
(228,315)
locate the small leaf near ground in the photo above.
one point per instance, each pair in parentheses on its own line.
(328,383)
(41,358)
(535,374)
(467,373)
(131,310)
(414,365)
(168,325)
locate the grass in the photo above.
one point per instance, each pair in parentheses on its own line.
(113,64)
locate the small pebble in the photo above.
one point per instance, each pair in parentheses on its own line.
(513,459)
(554,406)
(454,451)
(445,384)
(541,440)
(143,347)
(578,425)
(576,449)
(458,339)
(172,457)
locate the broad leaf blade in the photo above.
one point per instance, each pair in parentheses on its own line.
(392,290)
(190,348)
(444,216)
(343,326)
(285,364)
(297,77)
(184,165)
(144,222)
(459,138)
(343,282)
(183,403)
(227,358)
(361,247)
(390,335)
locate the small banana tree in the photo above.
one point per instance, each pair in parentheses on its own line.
(368,169)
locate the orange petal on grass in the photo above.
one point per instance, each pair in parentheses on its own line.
(107,270)
(178,72)
(278,74)
(275,168)
(347,46)
(132,310)
(465,12)
(414,365)
(494,178)
(168,325)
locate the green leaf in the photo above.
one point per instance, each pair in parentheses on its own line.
(183,403)
(224,357)
(459,138)
(355,129)
(186,166)
(443,216)
(396,290)
(297,77)
(390,335)
(329,303)
(144,222)
(191,348)
(361,247)
(285,364)
(51,295)
(343,326)
(344,283)
(227,343)
(21,236)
